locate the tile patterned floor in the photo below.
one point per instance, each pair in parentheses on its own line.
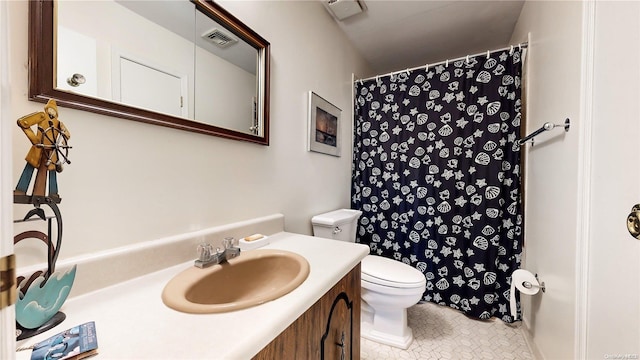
(444,333)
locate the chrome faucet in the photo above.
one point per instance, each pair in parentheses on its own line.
(207,257)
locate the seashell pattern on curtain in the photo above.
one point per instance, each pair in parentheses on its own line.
(436,172)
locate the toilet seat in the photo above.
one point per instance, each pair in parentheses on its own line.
(387,272)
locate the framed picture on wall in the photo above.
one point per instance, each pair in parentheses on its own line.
(324,126)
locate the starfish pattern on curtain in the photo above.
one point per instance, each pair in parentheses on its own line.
(436,173)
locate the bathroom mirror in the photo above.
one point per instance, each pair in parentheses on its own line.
(187,65)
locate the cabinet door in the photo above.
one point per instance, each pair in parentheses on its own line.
(317,334)
(338,335)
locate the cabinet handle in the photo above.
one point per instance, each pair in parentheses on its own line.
(341,345)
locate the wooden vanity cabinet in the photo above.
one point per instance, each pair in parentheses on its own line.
(329,329)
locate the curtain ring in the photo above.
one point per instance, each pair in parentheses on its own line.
(377,79)
(361,82)
(467,59)
(511,50)
(488,54)
(408,73)
(426,67)
(446,63)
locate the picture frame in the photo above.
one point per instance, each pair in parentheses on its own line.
(324,126)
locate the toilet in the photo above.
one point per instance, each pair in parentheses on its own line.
(389,287)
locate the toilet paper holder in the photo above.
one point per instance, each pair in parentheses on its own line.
(529,285)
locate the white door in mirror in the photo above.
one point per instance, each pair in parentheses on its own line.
(76,55)
(150,88)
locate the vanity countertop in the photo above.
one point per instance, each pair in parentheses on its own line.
(132,322)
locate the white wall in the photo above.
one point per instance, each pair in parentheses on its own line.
(132,182)
(554,83)
(583,64)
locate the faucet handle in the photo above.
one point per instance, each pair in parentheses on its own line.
(228,242)
(204,251)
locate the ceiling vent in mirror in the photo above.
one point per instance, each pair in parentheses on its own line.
(219,38)
(342,9)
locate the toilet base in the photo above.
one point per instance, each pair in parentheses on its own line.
(368,332)
(388,326)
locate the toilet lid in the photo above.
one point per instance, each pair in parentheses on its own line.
(388,272)
(336,217)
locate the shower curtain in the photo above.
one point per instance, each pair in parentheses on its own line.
(436,173)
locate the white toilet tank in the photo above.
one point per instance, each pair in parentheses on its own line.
(338,224)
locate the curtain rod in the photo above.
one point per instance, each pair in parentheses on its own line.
(522,45)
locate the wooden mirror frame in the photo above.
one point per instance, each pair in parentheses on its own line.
(42,87)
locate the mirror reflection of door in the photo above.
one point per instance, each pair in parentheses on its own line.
(148,87)
(77,55)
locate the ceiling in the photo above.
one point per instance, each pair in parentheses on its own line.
(399,34)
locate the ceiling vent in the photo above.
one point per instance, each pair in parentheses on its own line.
(342,9)
(219,38)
